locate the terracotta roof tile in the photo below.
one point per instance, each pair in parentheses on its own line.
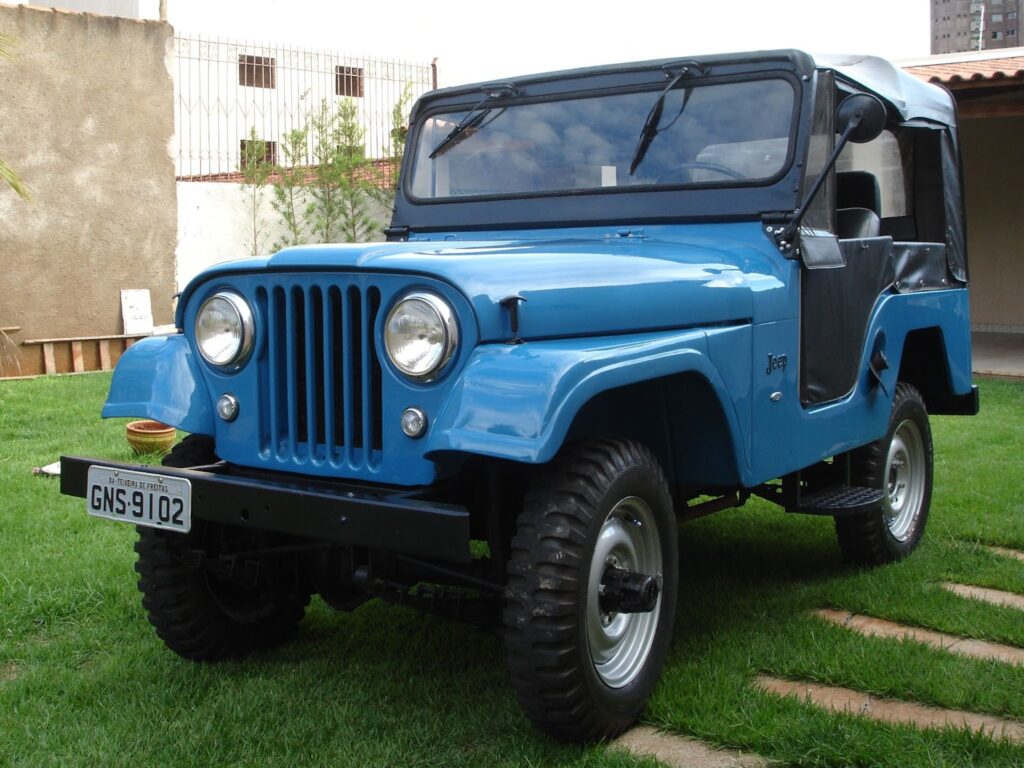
(963,71)
(379,173)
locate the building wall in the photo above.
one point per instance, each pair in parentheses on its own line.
(225,90)
(993,169)
(957,25)
(215,225)
(126,8)
(87,122)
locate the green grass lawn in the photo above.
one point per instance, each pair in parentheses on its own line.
(85,681)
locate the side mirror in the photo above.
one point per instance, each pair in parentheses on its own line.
(860,118)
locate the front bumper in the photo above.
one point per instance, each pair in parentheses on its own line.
(354,515)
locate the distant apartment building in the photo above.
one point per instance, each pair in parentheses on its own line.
(974,25)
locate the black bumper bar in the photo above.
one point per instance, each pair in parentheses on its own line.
(385,519)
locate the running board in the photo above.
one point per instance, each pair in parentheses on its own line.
(834,499)
(839,500)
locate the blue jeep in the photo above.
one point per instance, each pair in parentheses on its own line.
(611,299)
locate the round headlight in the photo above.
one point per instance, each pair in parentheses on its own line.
(224,329)
(420,335)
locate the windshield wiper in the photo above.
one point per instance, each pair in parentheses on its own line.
(473,118)
(650,129)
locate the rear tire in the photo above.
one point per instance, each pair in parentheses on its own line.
(582,673)
(204,616)
(900,464)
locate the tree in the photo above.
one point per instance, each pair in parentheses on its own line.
(256,170)
(291,196)
(386,186)
(354,175)
(341,176)
(7,173)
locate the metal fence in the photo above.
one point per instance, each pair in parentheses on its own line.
(225,89)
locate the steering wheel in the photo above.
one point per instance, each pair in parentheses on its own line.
(700,165)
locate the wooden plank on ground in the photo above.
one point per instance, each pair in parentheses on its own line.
(49,361)
(111,336)
(77,361)
(105,355)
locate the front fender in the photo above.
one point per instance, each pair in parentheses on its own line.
(158,378)
(517,402)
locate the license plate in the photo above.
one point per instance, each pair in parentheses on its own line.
(140,498)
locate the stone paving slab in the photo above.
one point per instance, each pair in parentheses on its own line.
(682,751)
(846,700)
(871,627)
(1005,552)
(993,596)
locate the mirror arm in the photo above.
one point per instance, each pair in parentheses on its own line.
(785,238)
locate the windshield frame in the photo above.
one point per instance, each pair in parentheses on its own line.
(654,88)
(613,206)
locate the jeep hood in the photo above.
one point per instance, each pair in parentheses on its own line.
(571,287)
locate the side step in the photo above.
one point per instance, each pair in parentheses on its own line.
(839,500)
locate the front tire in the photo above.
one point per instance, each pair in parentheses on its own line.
(582,673)
(205,615)
(901,465)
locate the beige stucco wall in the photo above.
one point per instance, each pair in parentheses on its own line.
(993,176)
(87,121)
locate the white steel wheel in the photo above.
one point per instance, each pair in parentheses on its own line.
(900,465)
(591,593)
(905,480)
(621,642)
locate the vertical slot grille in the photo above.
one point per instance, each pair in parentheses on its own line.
(321,380)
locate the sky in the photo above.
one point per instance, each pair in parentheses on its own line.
(476,40)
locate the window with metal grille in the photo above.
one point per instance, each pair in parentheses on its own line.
(348,81)
(248,148)
(257,71)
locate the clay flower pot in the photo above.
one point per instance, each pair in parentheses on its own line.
(148,436)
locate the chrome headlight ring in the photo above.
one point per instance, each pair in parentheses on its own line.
(421,335)
(224,330)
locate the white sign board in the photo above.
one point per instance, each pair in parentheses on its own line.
(136,311)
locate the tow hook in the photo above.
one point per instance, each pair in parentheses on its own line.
(623,591)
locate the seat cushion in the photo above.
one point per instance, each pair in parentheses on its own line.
(856,223)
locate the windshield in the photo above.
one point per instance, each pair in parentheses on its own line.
(735,133)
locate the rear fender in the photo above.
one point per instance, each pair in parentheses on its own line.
(518,402)
(158,378)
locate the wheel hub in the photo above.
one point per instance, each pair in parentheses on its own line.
(905,480)
(624,592)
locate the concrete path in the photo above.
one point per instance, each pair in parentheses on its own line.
(999,354)
(683,752)
(901,712)
(993,596)
(1004,552)
(964,646)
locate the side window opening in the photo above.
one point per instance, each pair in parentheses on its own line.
(899,177)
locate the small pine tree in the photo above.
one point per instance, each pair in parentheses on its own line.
(256,172)
(291,197)
(354,182)
(325,187)
(386,186)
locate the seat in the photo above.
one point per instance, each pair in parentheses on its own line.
(856,223)
(857,205)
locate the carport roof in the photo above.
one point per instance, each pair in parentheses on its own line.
(986,83)
(954,69)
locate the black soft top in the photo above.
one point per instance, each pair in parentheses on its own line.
(911,97)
